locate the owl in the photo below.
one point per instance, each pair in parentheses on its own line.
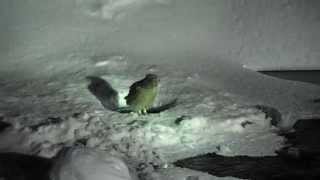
(142,94)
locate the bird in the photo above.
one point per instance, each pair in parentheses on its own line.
(142,94)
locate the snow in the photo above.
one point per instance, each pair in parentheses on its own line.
(44,84)
(206,118)
(210,115)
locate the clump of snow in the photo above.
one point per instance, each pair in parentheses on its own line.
(116,61)
(88,164)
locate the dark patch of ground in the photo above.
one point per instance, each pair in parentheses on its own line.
(3,125)
(14,166)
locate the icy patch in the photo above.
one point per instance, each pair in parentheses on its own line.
(88,164)
(103,63)
(113,61)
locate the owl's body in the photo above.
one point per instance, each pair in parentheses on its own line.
(142,94)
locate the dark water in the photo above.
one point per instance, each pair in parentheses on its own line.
(303,76)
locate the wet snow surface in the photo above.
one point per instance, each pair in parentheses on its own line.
(49,114)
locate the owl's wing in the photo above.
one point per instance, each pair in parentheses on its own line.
(135,85)
(134,88)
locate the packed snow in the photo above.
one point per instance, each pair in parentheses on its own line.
(44,90)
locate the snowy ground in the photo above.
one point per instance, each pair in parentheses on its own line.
(211,116)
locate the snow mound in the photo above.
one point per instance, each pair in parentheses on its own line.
(79,163)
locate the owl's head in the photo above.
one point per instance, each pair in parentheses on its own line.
(152,79)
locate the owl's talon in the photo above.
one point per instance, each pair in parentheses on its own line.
(144,111)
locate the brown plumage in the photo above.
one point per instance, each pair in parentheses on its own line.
(142,94)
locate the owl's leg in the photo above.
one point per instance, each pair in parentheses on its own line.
(139,112)
(144,111)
